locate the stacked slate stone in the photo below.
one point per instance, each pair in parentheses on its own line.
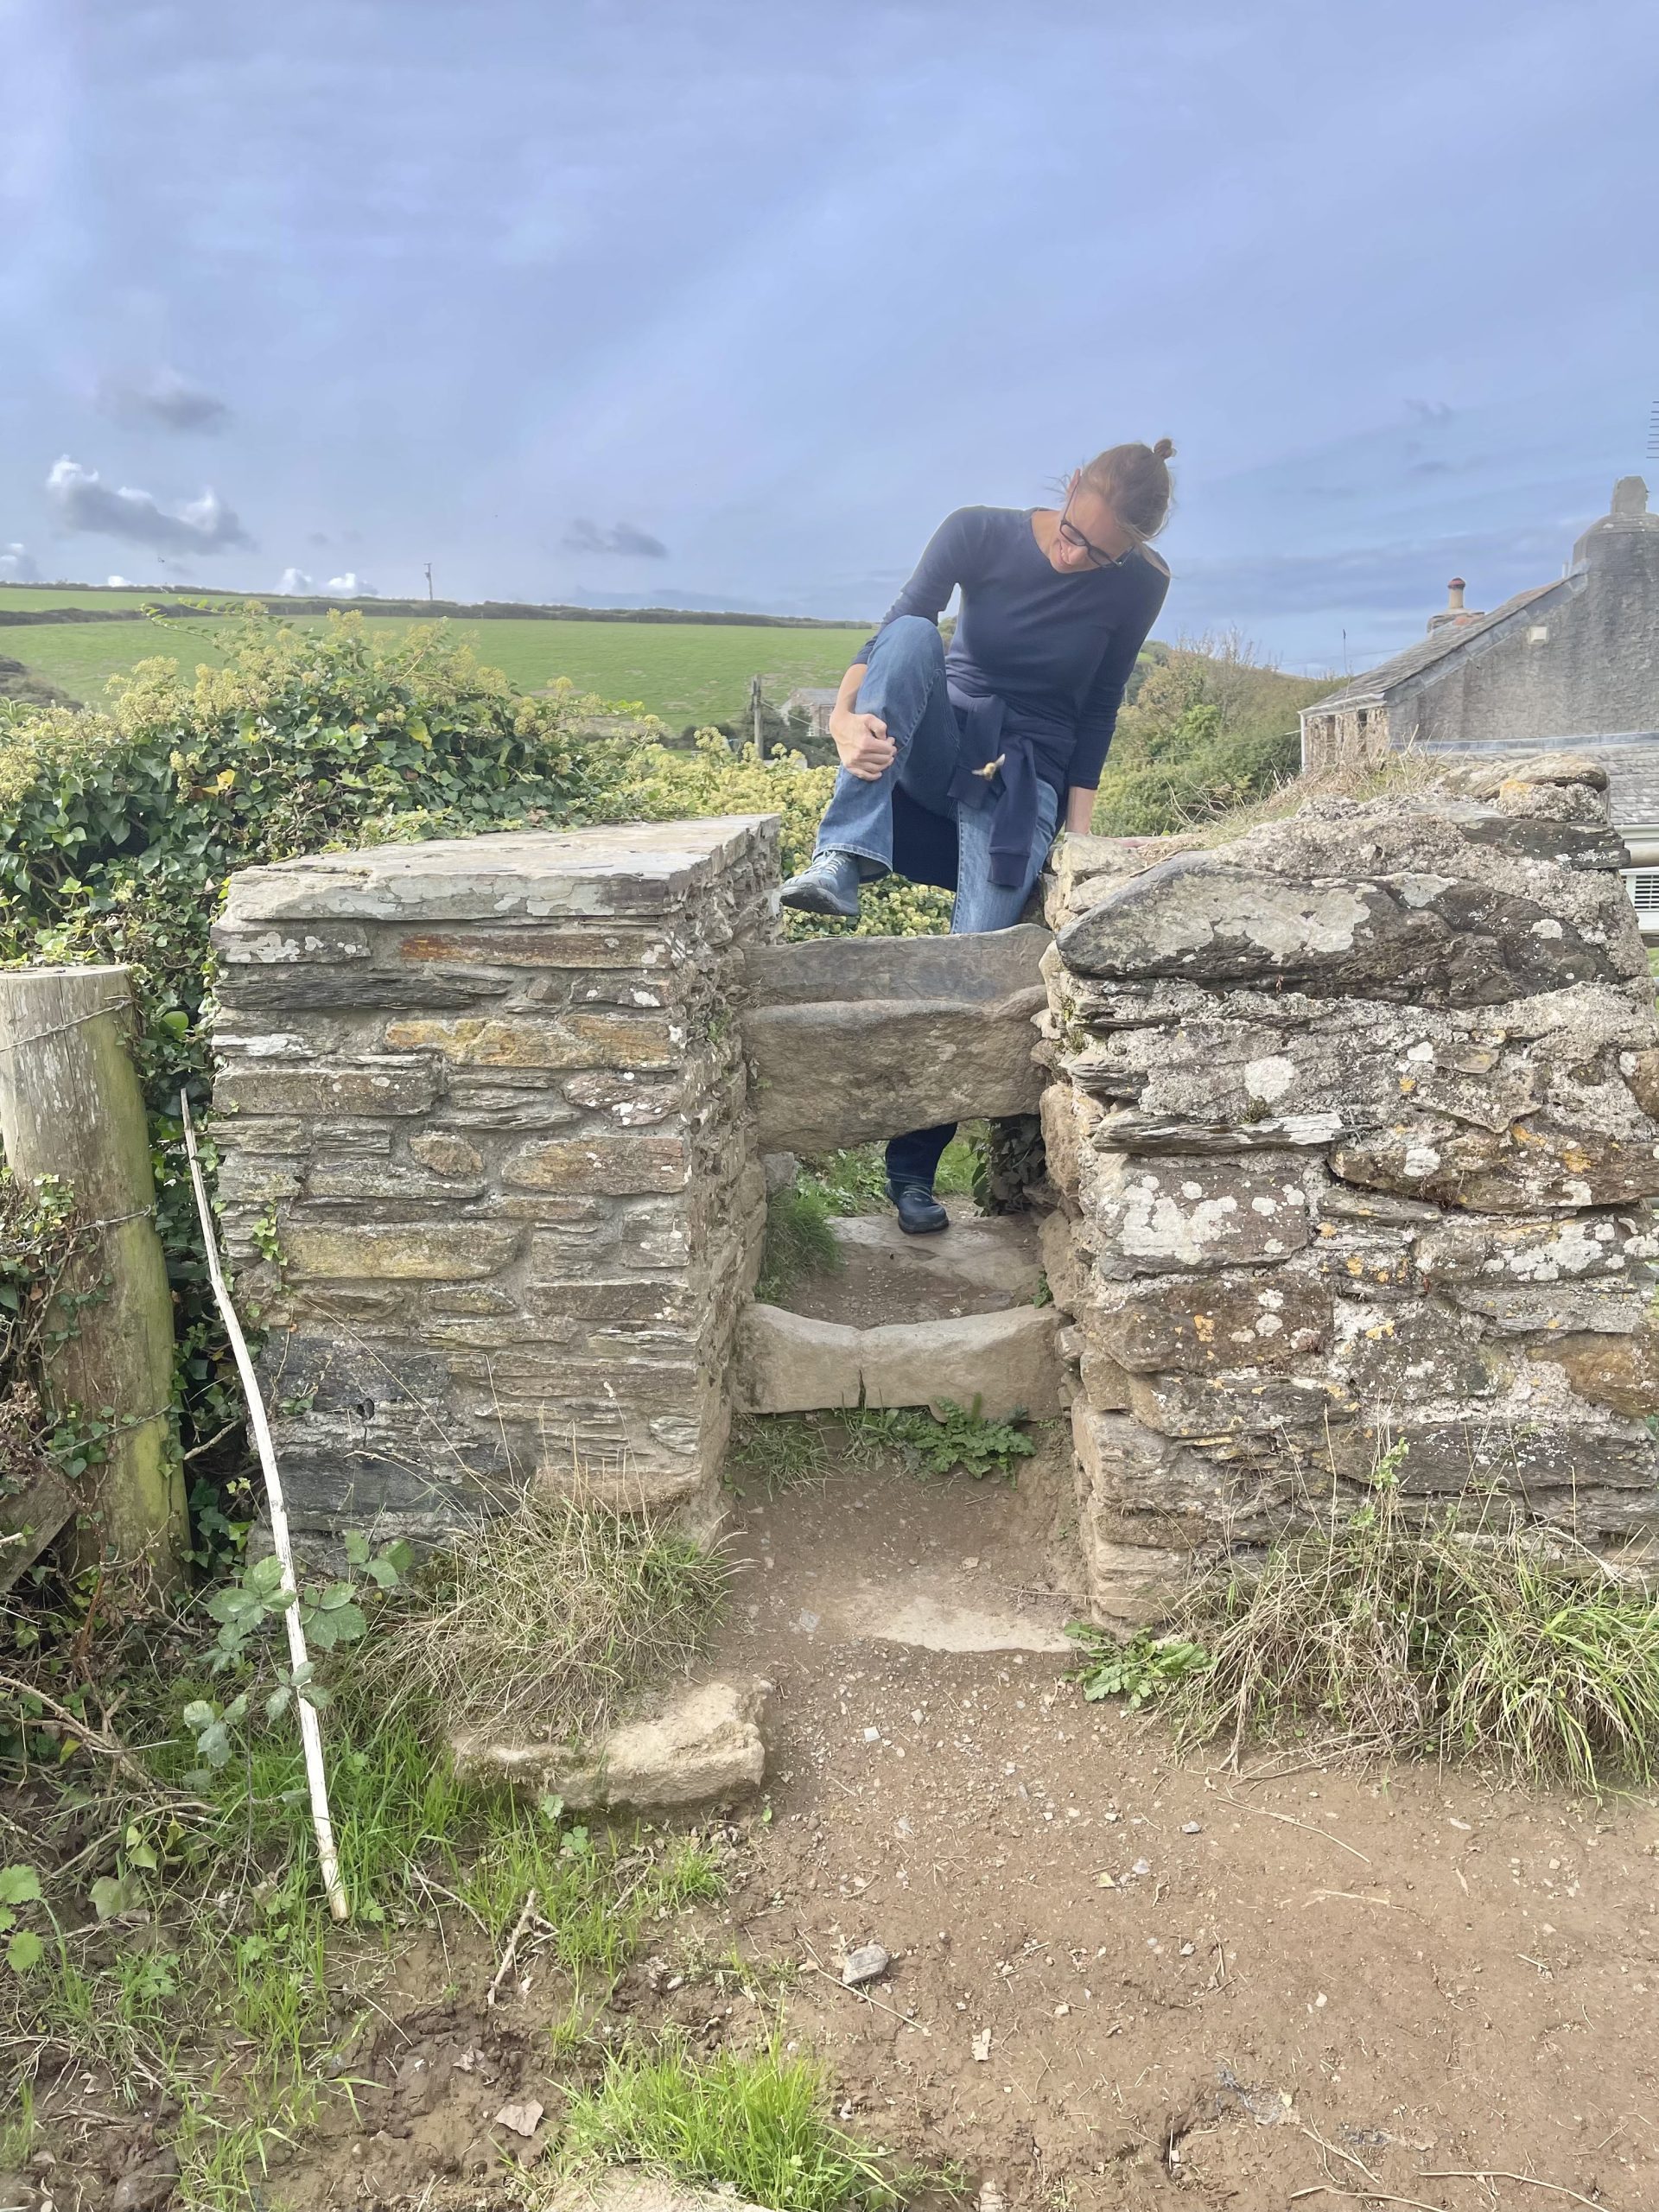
(483,1174)
(1355,1143)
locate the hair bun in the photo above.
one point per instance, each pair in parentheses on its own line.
(1164,450)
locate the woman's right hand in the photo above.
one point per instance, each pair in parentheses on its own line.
(866,750)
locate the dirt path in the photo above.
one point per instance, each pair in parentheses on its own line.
(1322,1979)
(1343,1984)
(1118,1977)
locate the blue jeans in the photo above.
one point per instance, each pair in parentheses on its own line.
(905,684)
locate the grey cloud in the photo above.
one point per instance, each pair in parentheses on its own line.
(85,502)
(1371,578)
(294,579)
(163,397)
(586,537)
(17,564)
(1431,410)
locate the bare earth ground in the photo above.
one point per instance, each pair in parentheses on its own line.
(1323,1982)
(1119,1978)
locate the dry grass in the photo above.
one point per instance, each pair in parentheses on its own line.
(555,1615)
(1463,1631)
(1398,775)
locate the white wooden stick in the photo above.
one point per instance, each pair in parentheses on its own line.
(310,1729)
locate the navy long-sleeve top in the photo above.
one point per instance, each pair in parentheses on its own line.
(1055,650)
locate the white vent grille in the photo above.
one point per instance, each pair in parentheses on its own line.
(1643,887)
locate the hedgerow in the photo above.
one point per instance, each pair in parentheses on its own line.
(119,826)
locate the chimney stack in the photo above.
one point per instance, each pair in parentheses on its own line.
(1454,615)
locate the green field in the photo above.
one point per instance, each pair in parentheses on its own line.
(687,673)
(29,598)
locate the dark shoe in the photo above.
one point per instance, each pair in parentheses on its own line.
(829,886)
(920,1213)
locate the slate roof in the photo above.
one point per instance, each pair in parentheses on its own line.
(1371,688)
(1632,785)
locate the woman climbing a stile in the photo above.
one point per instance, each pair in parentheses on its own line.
(958,767)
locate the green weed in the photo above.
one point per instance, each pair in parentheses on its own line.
(849,1182)
(952,1440)
(1138,1669)
(759,2125)
(188,1956)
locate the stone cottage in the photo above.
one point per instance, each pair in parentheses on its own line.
(1575,662)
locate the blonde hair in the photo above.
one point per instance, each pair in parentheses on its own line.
(1134,481)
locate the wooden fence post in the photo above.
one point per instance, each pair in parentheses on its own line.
(70,1106)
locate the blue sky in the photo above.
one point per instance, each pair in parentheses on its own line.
(734,299)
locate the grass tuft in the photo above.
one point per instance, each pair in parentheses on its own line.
(799,1240)
(554,1616)
(1459,1633)
(778,1451)
(757,2124)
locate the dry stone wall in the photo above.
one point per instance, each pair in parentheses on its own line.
(484,1168)
(1351,1123)
(1353,1132)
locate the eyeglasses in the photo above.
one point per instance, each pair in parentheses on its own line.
(1073,535)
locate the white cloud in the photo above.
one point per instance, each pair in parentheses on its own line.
(118,583)
(18,565)
(351,586)
(85,502)
(294,580)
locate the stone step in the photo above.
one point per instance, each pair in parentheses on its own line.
(981,1264)
(1007,1362)
(695,1746)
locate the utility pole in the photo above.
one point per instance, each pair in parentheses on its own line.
(756,717)
(429,582)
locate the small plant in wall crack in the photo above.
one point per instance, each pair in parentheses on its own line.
(267,1237)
